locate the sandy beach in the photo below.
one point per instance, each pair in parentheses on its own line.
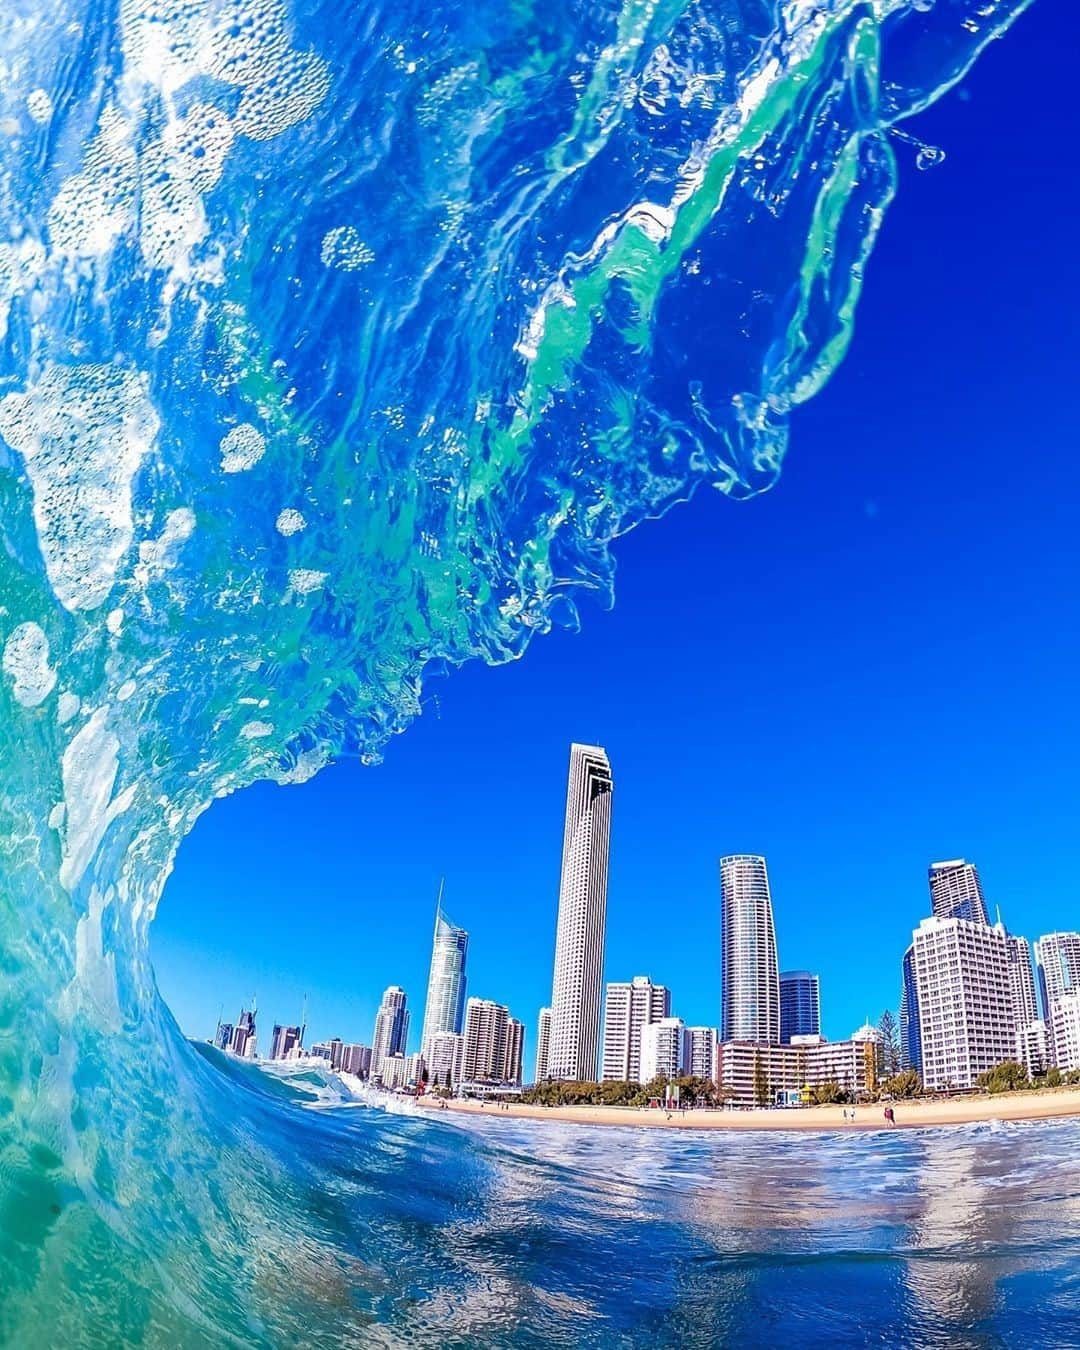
(913,1114)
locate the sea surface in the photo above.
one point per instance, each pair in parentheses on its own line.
(502,1232)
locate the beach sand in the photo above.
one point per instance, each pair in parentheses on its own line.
(913,1114)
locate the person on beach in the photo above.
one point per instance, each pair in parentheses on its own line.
(890,1115)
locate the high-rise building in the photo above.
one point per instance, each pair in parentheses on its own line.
(955,891)
(355,1059)
(629,1006)
(579,942)
(484,1055)
(800,1005)
(701,1052)
(910,1038)
(1057,958)
(285,1042)
(515,1051)
(1031,1042)
(447,1051)
(445,1006)
(243,1035)
(543,1044)
(1065,1031)
(663,1049)
(394,1072)
(964,991)
(391,1028)
(750,1009)
(223,1035)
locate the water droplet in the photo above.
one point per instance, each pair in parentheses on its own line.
(929,156)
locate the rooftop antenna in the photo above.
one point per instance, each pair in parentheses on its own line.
(438,902)
(303,1020)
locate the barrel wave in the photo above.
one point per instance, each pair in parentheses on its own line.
(337,345)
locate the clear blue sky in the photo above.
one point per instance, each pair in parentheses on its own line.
(871,667)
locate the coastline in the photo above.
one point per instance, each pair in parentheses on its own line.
(911,1114)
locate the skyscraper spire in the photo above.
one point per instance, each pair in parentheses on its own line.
(445,1004)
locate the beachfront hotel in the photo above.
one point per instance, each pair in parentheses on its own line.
(445,1005)
(800,1005)
(964,989)
(750,982)
(543,1044)
(629,1006)
(579,942)
(956,892)
(391,1028)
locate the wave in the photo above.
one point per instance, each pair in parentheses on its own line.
(337,345)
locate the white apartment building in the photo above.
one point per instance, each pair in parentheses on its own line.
(484,1054)
(543,1044)
(628,1007)
(663,1049)
(701,1052)
(394,1072)
(356,1059)
(966,1020)
(447,1051)
(1065,1031)
(515,1051)
(579,941)
(750,987)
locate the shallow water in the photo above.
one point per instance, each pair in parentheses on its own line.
(518,1233)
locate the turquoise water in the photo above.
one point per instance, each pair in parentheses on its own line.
(337,345)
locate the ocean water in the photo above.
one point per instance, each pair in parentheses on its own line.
(337,345)
(414,1229)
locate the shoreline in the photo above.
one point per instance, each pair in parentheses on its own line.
(912,1114)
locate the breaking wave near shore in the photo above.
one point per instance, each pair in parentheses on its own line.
(337,346)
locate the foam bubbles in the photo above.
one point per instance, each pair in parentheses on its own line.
(241,449)
(290,522)
(83,431)
(39,105)
(26,664)
(305,580)
(343,248)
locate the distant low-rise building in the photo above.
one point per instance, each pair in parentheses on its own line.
(394,1072)
(752,1074)
(356,1059)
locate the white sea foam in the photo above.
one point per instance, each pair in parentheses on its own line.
(26,664)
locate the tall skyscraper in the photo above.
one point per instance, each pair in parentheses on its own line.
(663,1049)
(955,891)
(1057,957)
(243,1036)
(750,999)
(543,1044)
(800,1005)
(1031,1035)
(964,990)
(484,1055)
(445,1004)
(515,1051)
(391,1028)
(579,942)
(629,1006)
(910,1037)
(285,1042)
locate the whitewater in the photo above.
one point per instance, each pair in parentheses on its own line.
(337,346)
